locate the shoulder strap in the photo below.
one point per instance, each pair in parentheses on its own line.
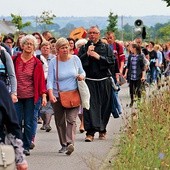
(3,59)
(39,57)
(58,88)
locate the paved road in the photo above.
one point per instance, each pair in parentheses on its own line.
(87,156)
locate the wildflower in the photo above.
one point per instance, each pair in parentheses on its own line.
(161,156)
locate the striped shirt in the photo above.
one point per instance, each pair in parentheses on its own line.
(25,82)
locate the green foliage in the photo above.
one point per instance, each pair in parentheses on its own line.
(46,18)
(17,21)
(164,33)
(128,32)
(159,32)
(146,141)
(112,19)
(168,2)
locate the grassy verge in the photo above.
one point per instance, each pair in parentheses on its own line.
(145,144)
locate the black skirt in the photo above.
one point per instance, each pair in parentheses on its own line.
(98,115)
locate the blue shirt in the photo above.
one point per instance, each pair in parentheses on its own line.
(67,74)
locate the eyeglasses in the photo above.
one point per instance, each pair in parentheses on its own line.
(28,44)
(93,32)
(37,37)
(9,42)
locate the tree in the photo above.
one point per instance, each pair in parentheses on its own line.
(168,2)
(159,33)
(164,32)
(112,26)
(46,18)
(128,32)
(17,21)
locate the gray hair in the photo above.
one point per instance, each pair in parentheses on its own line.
(61,42)
(29,37)
(80,42)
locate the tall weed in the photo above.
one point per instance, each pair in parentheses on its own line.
(145,144)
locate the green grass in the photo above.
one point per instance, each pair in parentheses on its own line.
(145,144)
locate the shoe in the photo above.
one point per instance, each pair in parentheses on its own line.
(26,152)
(48,128)
(63,149)
(70,149)
(102,136)
(131,104)
(40,121)
(32,146)
(89,138)
(43,127)
(81,130)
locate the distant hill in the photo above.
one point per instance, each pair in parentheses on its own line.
(100,21)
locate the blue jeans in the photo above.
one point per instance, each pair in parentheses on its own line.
(36,115)
(25,112)
(153,73)
(116,107)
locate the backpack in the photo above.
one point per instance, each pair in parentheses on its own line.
(4,75)
(39,57)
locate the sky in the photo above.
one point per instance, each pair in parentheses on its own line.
(84,8)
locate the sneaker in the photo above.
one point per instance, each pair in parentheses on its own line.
(40,121)
(32,146)
(63,149)
(26,152)
(43,127)
(102,136)
(81,130)
(70,149)
(89,138)
(48,128)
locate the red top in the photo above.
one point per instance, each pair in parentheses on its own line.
(30,78)
(119,53)
(25,83)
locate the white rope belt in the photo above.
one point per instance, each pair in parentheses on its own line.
(97,79)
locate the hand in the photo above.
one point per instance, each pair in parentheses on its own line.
(14,98)
(52,98)
(94,55)
(142,79)
(44,100)
(90,48)
(125,76)
(80,77)
(23,166)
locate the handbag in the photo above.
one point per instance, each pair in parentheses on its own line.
(84,91)
(7,157)
(84,94)
(68,99)
(122,80)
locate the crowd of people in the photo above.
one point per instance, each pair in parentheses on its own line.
(38,66)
